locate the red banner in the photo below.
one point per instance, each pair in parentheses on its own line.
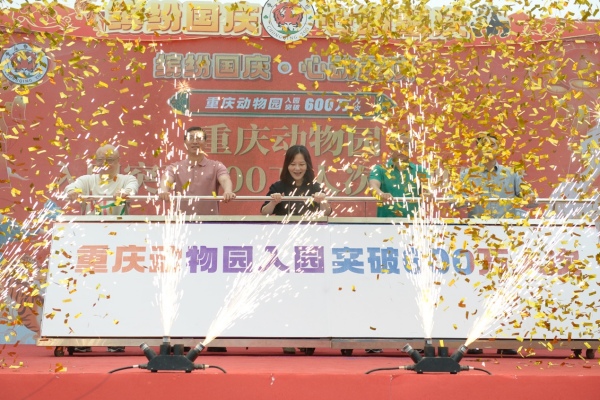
(254,100)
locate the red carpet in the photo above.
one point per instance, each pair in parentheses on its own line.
(30,372)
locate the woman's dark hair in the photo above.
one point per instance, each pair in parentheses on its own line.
(285,176)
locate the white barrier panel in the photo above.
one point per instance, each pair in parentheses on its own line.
(340,280)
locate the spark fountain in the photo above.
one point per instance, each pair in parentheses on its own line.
(428,233)
(169,272)
(249,289)
(526,265)
(426,276)
(524,270)
(22,278)
(168,278)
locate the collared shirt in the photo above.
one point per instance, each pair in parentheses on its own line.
(405,182)
(499,183)
(197,179)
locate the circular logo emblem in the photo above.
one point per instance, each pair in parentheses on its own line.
(22,65)
(288,21)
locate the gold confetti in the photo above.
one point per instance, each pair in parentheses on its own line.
(60,368)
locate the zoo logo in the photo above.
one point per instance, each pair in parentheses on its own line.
(288,21)
(22,65)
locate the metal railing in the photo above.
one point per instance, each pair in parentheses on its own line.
(335,199)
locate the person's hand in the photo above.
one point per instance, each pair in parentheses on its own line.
(319,197)
(123,194)
(228,196)
(164,196)
(386,197)
(73,195)
(276,197)
(530,201)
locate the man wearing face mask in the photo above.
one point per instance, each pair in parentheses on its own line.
(398,178)
(104,181)
(491,180)
(197,175)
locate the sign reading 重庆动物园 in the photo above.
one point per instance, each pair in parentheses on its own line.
(279,104)
(336,280)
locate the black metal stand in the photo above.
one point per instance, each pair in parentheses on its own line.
(430,362)
(171,358)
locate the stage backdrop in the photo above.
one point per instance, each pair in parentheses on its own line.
(259,79)
(141,83)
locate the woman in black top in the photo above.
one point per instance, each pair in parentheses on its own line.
(297,179)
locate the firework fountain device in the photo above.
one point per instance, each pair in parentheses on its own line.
(172,358)
(429,362)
